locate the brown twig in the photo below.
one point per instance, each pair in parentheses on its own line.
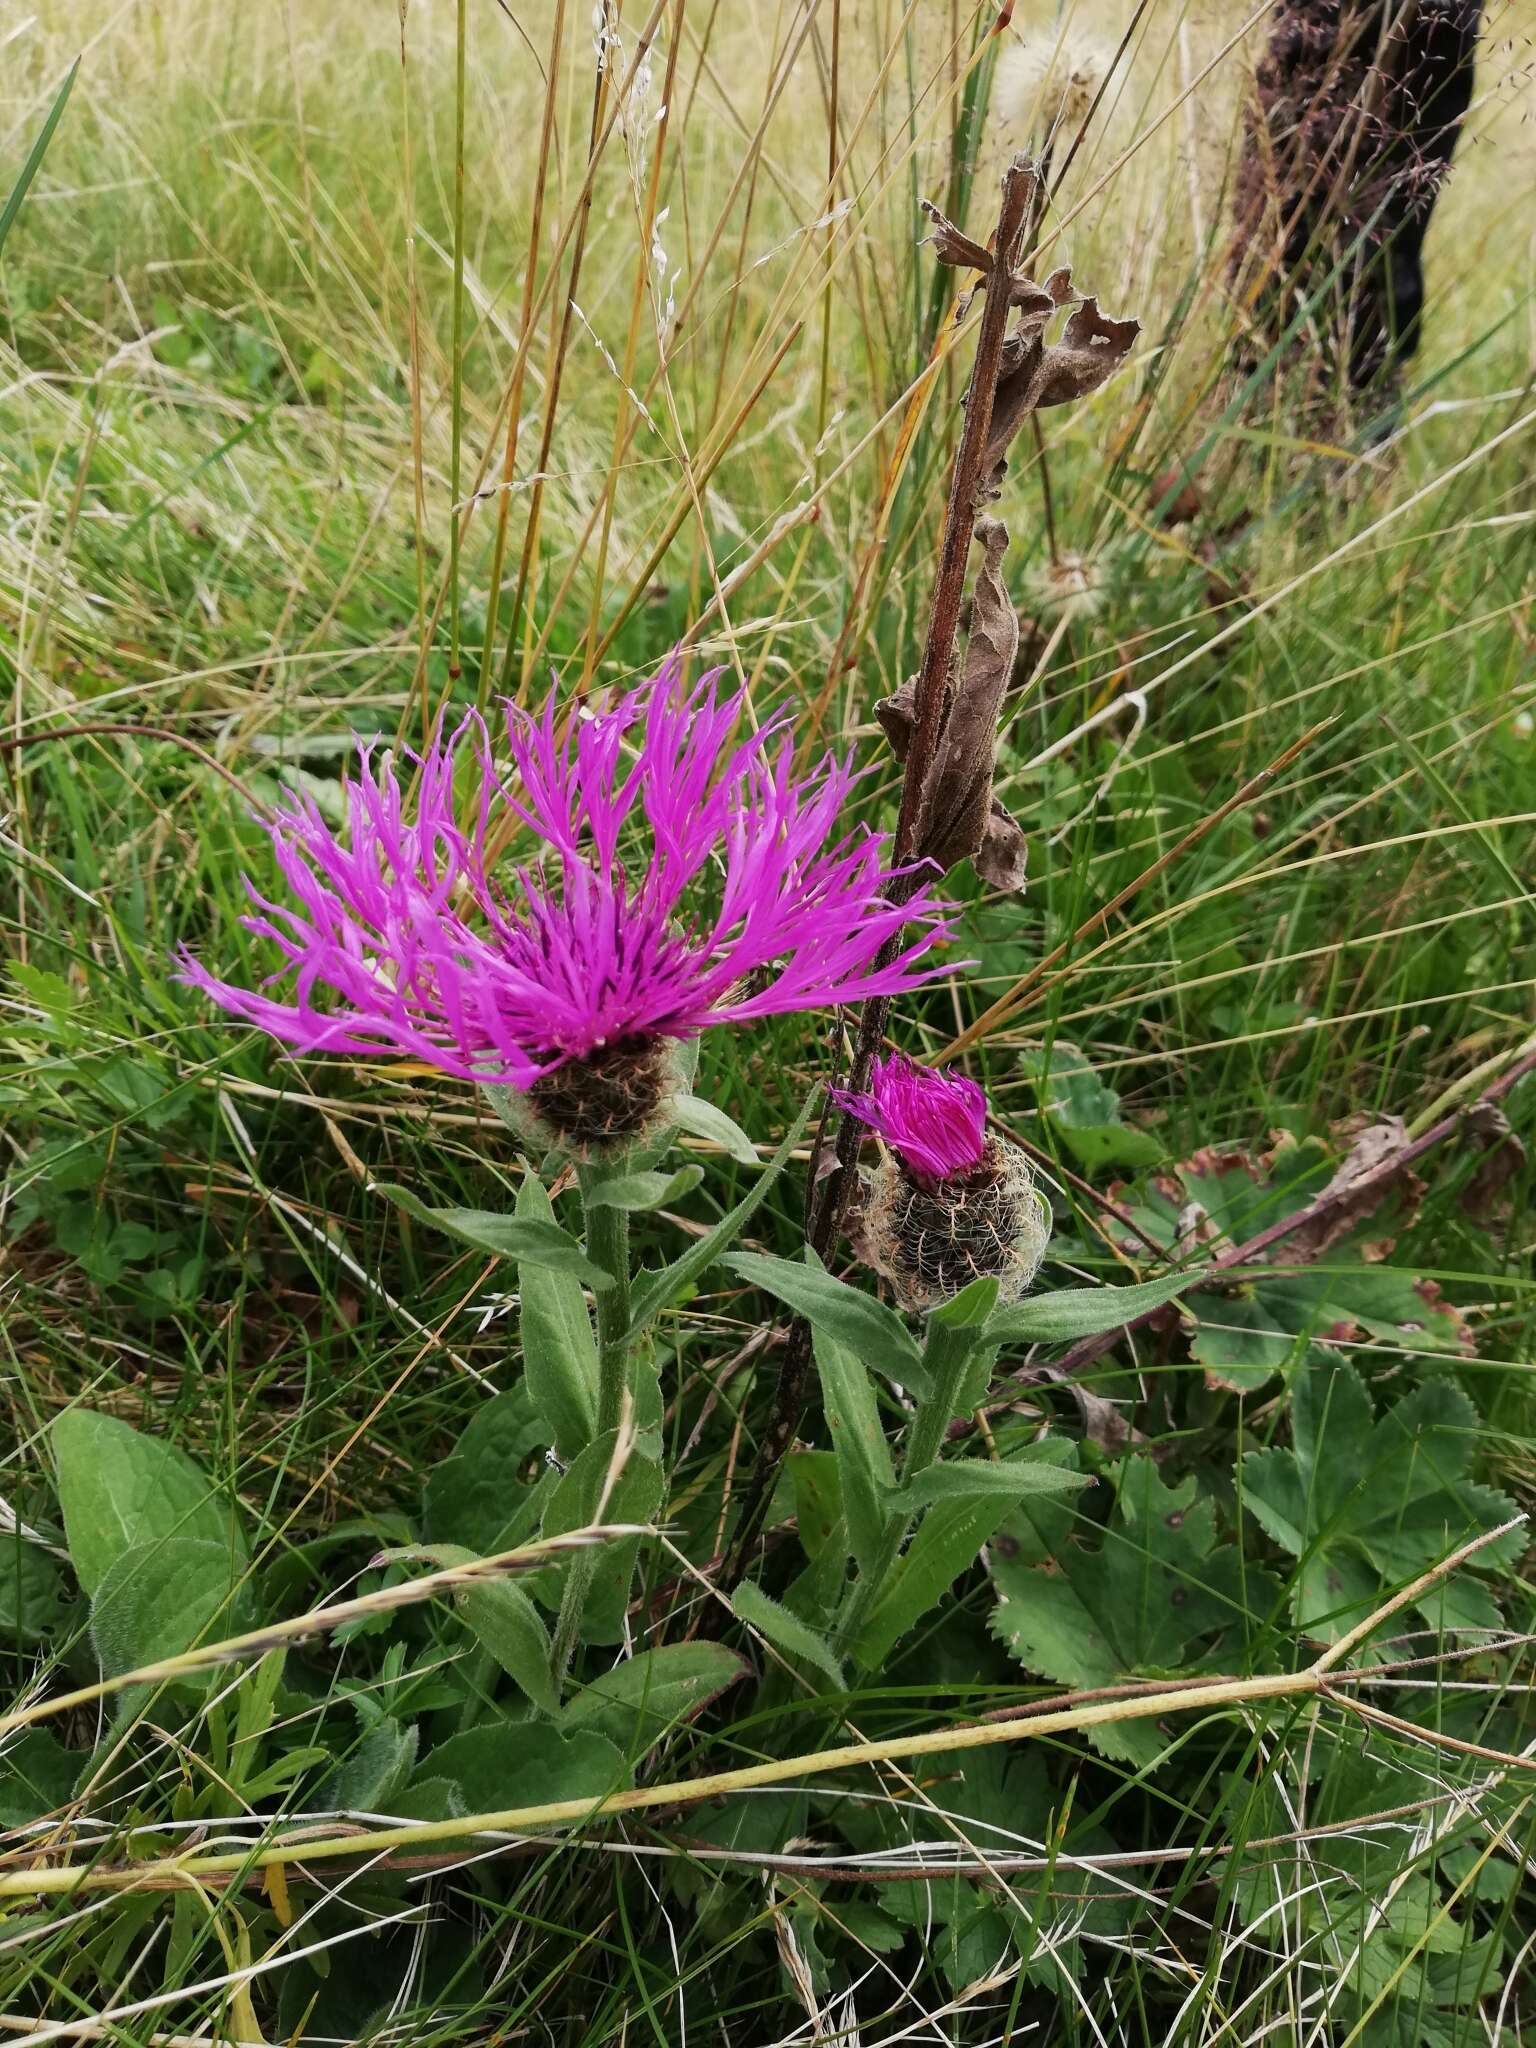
(828,1198)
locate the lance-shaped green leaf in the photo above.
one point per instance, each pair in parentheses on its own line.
(947,1541)
(979,1479)
(505,1622)
(637,1192)
(654,1290)
(559,1349)
(522,1238)
(875,1334)
(35,154)
(969,1308)
(863,1455)
(701,1119)
(1074,1312)
(636,1702)
(785,1631)
(634,1498)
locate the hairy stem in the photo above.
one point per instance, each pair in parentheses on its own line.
(607,1234)
(608,1247)
(949,1352)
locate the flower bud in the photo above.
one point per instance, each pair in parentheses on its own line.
(947,1204)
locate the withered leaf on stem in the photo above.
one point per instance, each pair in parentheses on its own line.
(961,818)
(1036,373)
(1367,1175)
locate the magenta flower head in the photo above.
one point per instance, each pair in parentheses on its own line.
(680,876)
(948,1204)
(935,1122)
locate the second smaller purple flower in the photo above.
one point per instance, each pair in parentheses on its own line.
(947,1204)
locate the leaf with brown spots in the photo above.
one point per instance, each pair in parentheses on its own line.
(1366,1505)
(1157,1594)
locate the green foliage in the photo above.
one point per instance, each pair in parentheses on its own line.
(1159,1594)
(1366,1505)
(218,389)
(559,1350)
(786,1631)
(875,1334)
(639,1701)
(121,1491)
(529,1239)
(1269,1318)
(504,1621)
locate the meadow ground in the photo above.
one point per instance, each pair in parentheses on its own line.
(259,351)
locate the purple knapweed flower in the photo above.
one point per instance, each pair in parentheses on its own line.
(682,877)
(947,1204)
(935,1122)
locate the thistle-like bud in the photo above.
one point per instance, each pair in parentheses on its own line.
(947,1204)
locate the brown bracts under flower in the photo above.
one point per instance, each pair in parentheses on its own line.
(947,1204)
(600,1106)
(930,1242)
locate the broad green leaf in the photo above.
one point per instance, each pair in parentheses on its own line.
(636,1495)
(1074,1312)
(874,1333)
(786,1631)
(980,1479)
(373,1773)
(637,1192)
(636,1702)
(701,1119)
(1365,1505)
(37,1776)
(654,1290)
(559,1350)
(1135,1603)
(1085,1114)
(505,1622)
(162,1597)
(428,1799)
(32,1605)
(474,1496)
(505,1237)
(121,1491)
(1272,1318)
(525,1763)
(863,1456)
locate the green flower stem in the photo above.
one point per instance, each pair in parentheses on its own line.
(948,1352)
(607,1234)
(608,1247)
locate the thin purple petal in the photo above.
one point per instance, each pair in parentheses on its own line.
(400,939)
(935,1121)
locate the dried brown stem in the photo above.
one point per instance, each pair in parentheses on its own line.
(827,1199)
